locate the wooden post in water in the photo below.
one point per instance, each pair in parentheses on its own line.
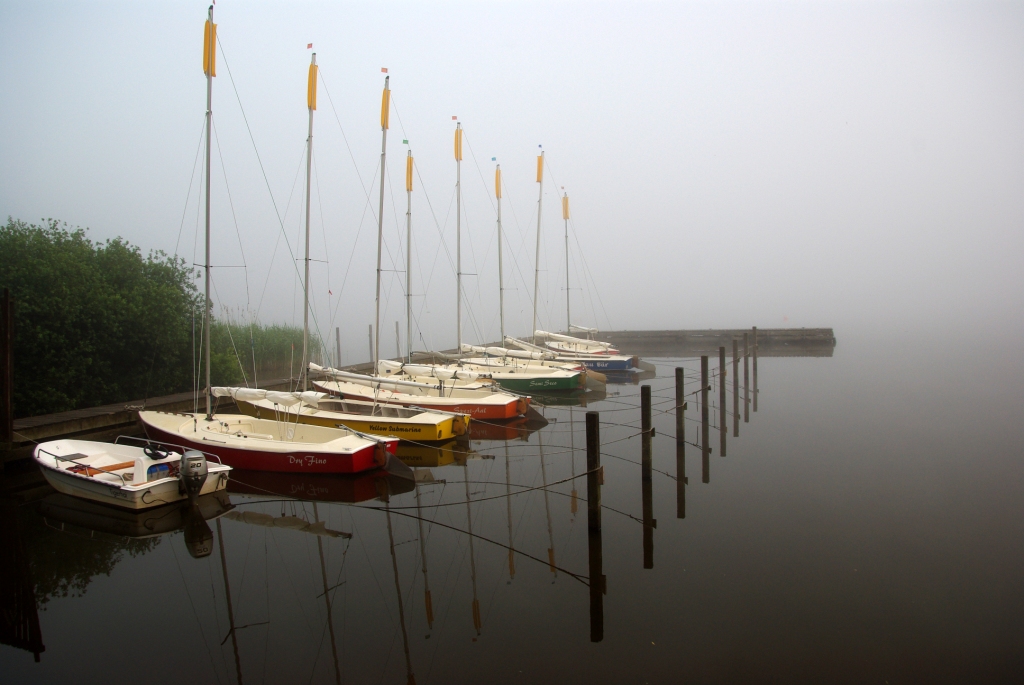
(705,447)
(594,471)
(645,431)
(646,485)
(594,550)
(680,446)
(6,374)
(746,381)
(735,389)
(755,368)
(722,415)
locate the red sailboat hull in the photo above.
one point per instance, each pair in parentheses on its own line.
(297,461)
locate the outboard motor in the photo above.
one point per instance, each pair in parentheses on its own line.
(193,473)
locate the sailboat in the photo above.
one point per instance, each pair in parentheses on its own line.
(239,440)
(572,345)
(479,403)
(421,385)
(598,362)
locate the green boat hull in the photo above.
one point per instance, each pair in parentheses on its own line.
(526,383)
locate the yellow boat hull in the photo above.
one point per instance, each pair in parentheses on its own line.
(448,429)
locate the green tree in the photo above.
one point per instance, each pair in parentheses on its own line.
(95,323)
(99,323)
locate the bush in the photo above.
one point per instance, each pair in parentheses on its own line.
(99,323)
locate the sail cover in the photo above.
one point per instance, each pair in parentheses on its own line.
(285,399)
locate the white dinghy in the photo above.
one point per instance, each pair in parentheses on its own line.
(128,476)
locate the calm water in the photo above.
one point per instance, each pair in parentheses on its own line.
(867,525)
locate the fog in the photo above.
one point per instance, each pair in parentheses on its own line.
(855,165)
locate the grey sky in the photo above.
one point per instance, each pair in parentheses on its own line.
(728,164)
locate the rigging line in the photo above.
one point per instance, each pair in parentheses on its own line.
(259,159)
(493,542)
(227,327)
(320,72)
(195,614)
(277,243)
(469,235)
(583,257)
(238,233)
(323,228)
(587,270)
(441,242)
(522,245)
(352,254)
(188,195)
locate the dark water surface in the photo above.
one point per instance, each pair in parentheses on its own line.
(867,526)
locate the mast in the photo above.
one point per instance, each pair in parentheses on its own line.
(410,677)
(423,560)
(327,597)
(458,235)
(385,107)
(210,69)
(408,255)
(536,263)
(472,556)
(311,104)
(501,281)
(565,217)
(508,506)
(227,597)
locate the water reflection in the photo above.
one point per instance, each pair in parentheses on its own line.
(318,487)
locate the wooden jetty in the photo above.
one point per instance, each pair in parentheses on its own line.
(771,342)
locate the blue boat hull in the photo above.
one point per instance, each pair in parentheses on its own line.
(611,363)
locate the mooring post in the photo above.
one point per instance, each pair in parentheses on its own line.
(680,446)
(755,368)
(746,381)
(646,484)
(735,389)
(645,431)
(722,414)
(595,474)
(705,447)
(598,584)
(6,374)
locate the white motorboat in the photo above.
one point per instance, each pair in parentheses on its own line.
(128,476)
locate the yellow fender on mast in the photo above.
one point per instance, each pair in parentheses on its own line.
(565,207)
(311,85)
(385,104)
(497,182)
(458,142)
(540,168)
(408,172)
(210,48)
